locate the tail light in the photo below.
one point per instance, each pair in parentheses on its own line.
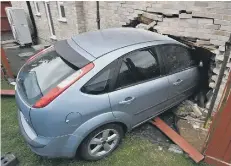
(36,55)
(61,87)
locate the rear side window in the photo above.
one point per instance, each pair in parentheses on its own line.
(100,83)
(43,73)
(138,66)
(177,57)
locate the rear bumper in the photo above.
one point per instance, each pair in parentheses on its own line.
(63,146)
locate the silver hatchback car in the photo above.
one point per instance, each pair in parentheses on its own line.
(83,94)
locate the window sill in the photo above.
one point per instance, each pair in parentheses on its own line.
(38,15)
(53,37)
(62,19)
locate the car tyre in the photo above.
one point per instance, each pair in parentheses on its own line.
(101,142)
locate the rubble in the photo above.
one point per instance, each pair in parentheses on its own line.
(175,148)
(191,112)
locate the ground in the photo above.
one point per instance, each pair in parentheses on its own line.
(132,151)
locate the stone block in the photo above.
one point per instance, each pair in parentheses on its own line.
(203,42)
(201,4)
(153,16)
(190,29)
(185,15)
(217,42)
(222,22)
(152,24)
(226,28)
(222,48)
(221,33)
(211,26)
(142,26)
(205,21)
(223,38)
(226,17)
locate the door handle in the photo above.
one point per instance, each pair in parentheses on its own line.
(178,82)
(127,100)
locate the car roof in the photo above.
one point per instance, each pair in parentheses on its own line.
(101,42)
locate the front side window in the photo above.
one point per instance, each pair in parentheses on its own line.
(178,58)
(138,66)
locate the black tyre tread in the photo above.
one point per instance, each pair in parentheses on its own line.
(84,145)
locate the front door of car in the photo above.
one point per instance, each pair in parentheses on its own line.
(181,71)
(140,90)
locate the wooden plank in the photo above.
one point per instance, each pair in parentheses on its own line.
(227,156)
(6,64)
(215,162)
(193,153)
(221,135)
(7,92)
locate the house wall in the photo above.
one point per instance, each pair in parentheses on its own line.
(208,22)
(63,30)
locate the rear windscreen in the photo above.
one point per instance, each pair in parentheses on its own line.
(42,74)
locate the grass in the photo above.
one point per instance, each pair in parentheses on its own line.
(133,151)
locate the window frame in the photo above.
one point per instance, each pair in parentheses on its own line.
(37,11)
(53,36)
(120,60)
(61,18)
(114,66)
(164,58)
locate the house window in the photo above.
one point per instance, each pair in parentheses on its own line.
(50,20)
(37,10)
(61,10)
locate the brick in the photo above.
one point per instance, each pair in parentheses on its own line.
(217,42)
(153,16)
(223,38)
(152,24)
(226,28)
(226,17)
(203,42)
(222,48)
(221,33)
(205,21)
(222,22)
(192,20)
(201,4)
(190,29)
(207,15)
(212,26)
(142,26)
(184,16)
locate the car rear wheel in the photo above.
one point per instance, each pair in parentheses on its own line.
(101,142)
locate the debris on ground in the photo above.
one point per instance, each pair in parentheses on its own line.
(191,112)
(175,149)
(191,119)
(160,148)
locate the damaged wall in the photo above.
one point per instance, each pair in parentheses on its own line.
(209,23)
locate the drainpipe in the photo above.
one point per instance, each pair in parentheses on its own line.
(219,80)
(35,34)
(97,14)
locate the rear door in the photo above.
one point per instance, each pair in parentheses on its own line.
(141,89)
(181,71)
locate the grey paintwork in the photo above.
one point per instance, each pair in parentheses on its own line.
(112,39)
(61,126)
